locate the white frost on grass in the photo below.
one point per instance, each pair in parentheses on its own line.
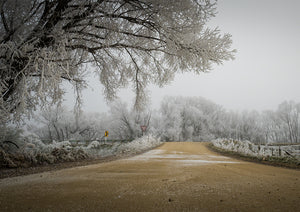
(139,145)
(248,148)
(34,152)
(244,147)
(93,145)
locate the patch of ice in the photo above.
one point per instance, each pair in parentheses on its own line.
(214,156)
(182,158)
(197,162)
(176,152)
(160,154)
(148,155)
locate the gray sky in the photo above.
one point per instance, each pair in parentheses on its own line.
(266,71)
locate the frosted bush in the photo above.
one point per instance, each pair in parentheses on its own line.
(140,144)
(244,147)
(95,149)
(5,160)
(248,148)
(33,141)
(35,152)
(59,145)
(93,145)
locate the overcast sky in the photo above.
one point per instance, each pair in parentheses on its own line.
(266,71)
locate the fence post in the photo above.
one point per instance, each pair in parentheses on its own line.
(279,151)
(272,151)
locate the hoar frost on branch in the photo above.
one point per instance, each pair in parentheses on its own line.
(43,42)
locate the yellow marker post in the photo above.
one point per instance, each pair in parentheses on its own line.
(106,135)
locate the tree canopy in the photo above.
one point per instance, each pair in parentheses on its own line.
(44,42)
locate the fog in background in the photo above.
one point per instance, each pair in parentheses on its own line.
(265,72)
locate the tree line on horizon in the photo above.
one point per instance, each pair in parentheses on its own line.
(177,119)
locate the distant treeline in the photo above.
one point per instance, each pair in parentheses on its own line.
(178,119)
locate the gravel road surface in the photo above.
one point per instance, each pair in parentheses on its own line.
(177,176)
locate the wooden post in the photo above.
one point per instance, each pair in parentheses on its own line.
(272,151)
(279,151)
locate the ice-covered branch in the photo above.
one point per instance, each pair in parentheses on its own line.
(53,40)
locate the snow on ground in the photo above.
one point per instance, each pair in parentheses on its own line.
(197,162)
(181,158)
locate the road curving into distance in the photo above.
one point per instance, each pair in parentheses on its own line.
(177,176)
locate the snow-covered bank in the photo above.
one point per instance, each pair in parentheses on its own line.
(96,148)
(34,152)
(248,148)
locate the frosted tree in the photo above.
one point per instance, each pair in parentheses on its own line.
(171,121)
(273,127)
(289,114)
(189,118)
(125,123)
(59,123)
(45,42)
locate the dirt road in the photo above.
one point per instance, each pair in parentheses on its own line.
(181,176)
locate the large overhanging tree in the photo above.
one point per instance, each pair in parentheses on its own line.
(45,42)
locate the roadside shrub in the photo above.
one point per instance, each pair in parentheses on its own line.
(34,152)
